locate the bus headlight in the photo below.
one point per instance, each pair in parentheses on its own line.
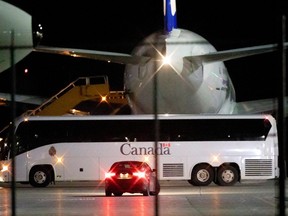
(4,168)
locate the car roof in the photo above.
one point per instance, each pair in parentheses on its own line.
(137,163)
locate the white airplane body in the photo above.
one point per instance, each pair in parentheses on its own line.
(190,73)
(181,84)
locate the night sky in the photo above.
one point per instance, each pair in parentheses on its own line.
(117,26)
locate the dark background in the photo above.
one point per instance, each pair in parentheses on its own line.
(118,26)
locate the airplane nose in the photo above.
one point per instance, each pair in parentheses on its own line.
(16,32)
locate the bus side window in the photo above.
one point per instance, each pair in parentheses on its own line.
(118,139)
(164,137)
(178,137)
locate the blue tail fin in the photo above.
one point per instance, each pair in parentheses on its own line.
(170,19)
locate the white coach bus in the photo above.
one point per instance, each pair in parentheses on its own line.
(223,149)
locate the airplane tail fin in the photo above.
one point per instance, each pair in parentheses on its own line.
(170,18)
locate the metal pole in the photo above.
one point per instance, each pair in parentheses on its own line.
(282,119)
(156,205)
(13,109)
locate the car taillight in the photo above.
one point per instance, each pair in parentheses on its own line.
(139,174)
(109,175)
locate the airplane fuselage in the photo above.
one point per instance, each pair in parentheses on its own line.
(182,86)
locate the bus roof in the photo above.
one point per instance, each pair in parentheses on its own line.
(144,116)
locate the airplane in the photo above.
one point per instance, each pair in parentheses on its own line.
(190,73)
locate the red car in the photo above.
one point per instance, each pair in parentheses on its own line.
(131,177)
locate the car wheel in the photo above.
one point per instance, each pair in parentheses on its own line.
(156,190)
(108,193)
(147,191)
(118,194)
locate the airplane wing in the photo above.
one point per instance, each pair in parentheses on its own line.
(122,58)
(235,53)
(114,57)
(260,106)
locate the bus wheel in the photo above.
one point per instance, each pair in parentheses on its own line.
(227,176)
(39,176)
(202,175)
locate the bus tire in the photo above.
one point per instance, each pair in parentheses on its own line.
(202,175)
(39,176)
(227,175)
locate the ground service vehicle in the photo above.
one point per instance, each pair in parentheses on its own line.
(131,177)
(199,148)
